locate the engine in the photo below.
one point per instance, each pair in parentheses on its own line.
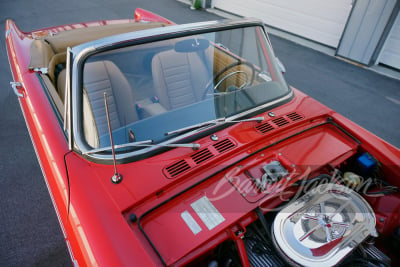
(330,224)
(323,226)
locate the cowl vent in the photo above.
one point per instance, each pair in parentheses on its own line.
(281,121)
(294,116)
(265,127)
(198,158)
(201,156)
(278,122)
(177,168)
(224,145)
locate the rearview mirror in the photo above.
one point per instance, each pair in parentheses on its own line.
(191,45)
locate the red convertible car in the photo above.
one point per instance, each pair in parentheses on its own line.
(172,145)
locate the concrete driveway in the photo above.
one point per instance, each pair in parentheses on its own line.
(29,231)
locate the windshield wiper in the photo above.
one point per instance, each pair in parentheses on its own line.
(194,146)
(146,143)
(210,123)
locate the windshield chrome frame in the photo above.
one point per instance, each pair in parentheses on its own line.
(81,52)
(67,126)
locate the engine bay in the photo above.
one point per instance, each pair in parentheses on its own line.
(284,204)
(332,222)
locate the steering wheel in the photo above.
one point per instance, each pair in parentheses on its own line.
(246,83)
(230,66)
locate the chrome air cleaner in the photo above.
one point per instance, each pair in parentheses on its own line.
(323,226)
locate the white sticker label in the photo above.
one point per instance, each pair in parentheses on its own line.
(189,220)
(210,216)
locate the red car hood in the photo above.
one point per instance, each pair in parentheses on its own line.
(160,196)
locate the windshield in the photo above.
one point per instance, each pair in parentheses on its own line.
(157,88)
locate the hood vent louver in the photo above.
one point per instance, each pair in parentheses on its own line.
(201,156)
(197,158)
(177,168)
(265,127)
(278,122)
(224,145)
(294,116)
(281,121)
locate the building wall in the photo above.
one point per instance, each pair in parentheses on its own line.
(320,21)
(356,28)
(390,54)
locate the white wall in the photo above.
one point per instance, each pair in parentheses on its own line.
(319,20)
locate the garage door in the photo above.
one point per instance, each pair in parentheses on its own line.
(391,52)
(321,21)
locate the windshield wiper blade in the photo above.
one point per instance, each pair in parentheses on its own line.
(194,146)
(195,126)
(146,143)
(133,144)
(215,122)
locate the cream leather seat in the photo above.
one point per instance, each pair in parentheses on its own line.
(179,78)
(100,77)
(89,125)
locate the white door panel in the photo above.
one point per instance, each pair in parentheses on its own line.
(391,51)
(321,21)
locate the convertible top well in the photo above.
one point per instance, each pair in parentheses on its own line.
(44,48)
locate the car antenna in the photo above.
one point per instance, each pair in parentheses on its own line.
(117,178)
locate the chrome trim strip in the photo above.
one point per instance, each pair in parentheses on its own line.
(67,100)
(159,33)
(48,186)
(77,98)
(74,261)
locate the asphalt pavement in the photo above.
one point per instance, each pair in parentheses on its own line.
(29,230)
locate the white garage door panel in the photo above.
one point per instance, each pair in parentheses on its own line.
(391,52)
(322,21)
